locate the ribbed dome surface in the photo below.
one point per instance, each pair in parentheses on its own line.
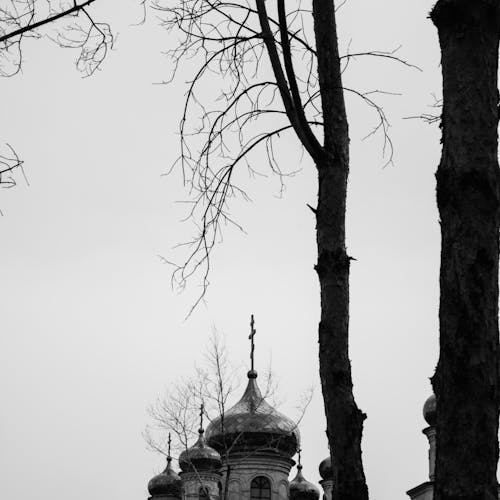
(200,457)
(301,489)
(325,469)
(166,483)
(253,424)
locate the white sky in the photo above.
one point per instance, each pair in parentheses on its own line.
(92,332)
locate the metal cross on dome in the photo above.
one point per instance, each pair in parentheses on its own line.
(202,411)
(169,445)
(252,344)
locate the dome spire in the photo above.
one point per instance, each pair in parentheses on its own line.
(167,484)
(252,343)
(202,411)
(300,487)
(252,424)
(169,457)
(200,457)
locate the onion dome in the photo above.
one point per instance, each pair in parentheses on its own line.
(200,457)
(300,488)
(253,424)
(167,483)
(429,410)
(325,469)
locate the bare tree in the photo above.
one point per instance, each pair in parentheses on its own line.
(280,71)
(212,384)
(466,382)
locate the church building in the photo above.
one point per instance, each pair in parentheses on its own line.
(248,454)
(245,454)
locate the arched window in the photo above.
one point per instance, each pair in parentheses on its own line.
(260,489)
(203,493)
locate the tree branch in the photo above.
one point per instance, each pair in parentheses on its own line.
(313,146)
(330,82)
(281,79)
(30,27)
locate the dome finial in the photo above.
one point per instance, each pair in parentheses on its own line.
(169,458)
(202,411)
(252,344)
(299,465)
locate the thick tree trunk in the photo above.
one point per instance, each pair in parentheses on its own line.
(344,419)
(466,382)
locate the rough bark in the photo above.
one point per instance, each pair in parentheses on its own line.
(466,382)
(344,419)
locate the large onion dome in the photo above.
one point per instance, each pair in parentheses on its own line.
(301,489)
(253,424)
(167,483)
(325,469)
(200,457)
(429,410)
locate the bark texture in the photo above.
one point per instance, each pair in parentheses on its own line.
(466,382)
(344,419)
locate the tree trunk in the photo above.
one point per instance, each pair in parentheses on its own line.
(466,382)
(344,419)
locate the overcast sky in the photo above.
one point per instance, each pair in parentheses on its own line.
(92,332)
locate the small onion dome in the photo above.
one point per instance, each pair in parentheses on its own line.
(301,489)
(167,483)
(253,424)
(200,457)
(429,410)
(325,469)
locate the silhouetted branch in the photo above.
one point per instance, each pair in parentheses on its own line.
(24,18)
(51,18)
(9,163)
(430,118)
(390,55)
(242,109)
